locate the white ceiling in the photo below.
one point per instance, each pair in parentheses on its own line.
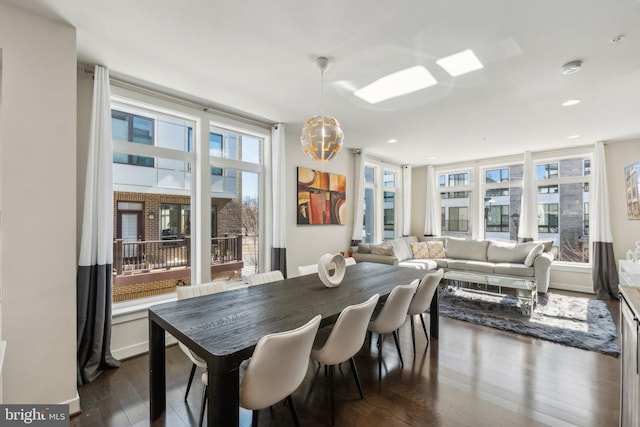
(256,58)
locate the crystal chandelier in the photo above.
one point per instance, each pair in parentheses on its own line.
(321,136)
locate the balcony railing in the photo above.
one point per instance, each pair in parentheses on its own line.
(146,255)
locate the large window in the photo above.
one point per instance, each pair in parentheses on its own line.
(455,201)
(161,239)
(381,203)
(502,189)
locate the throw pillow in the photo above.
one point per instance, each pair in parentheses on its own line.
(401,249)
(420,250)
(381,249)
(363,248)
(436,250)
(533,253)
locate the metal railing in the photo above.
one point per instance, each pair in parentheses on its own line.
(150,255)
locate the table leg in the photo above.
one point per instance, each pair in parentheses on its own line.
(157,372)
(434,316)
(223,395)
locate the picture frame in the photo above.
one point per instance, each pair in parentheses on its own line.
(632,187)
(321,198)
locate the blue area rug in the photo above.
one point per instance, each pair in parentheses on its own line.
(574,321)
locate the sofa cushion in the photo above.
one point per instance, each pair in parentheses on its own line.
(382,249)
(533,253)
(442,262)
(401,249)
(364,248)
(420,264)
(474,250)
(442,239)
(420,250)
(410,239)
(548,244)
(436,250)
(481,266)
(509,252)
(513,269)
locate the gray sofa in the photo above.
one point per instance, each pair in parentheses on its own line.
(530,259)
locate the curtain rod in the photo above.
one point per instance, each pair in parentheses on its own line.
(228,112)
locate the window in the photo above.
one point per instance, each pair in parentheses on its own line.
(155,204)
(132,128)
(381,203)
(497,218)
(563,200)
(455,201)
(548,218)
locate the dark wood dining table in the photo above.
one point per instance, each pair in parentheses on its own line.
(224,328)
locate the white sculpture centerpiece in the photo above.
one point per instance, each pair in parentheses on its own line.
(328,262)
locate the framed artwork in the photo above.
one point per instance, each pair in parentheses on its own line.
(632,184)
(321,197)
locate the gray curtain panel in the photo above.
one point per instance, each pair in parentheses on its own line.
(93,285)
(603,260)
(279,206)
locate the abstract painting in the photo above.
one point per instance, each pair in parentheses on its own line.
(321,197)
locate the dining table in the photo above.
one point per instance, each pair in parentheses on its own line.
(224,328)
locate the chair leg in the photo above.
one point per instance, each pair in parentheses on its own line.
(292,408)
(254,418)
(413,333)
(395,337)
(193,371)
(332,397)
(356,376)
(204,404)
(424,327)
(380,341)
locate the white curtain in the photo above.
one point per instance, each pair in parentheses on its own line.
(432,222)
(358,210)
(95,262)
(528,229)
(279,201)
(406,200)
(603,261)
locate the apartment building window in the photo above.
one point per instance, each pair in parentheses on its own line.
(132,128)
(175,221)
(548,218)
(456,190)
(215,150)
(497,218)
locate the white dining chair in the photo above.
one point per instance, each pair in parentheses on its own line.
(184,292)
(344,341)
(262,278)
(391,317)
(276,369)
(307,269)
(422,300)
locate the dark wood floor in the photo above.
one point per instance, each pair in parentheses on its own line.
(471,376)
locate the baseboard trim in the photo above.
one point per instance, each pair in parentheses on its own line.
(74,405)
(571,287)
(138,348)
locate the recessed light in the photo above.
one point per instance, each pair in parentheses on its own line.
(571,67)
(460,63)
(392,141)
(571,102)
(573,136)
(396,84)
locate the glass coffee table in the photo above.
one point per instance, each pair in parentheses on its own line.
(524,289)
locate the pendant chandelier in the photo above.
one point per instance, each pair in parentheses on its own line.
(322,135)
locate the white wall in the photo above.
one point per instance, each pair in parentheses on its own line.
(620,154)
(307,243)
(38,191)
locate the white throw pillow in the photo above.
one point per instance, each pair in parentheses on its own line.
(533,253)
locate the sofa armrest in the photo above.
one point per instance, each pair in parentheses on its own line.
(542,271)
(380,259)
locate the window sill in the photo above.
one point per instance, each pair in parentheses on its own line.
(572,267)
(141,306)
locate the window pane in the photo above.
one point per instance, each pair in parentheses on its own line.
(369,174)
(389,179)
(368,223)
(389,215)
(232,145)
